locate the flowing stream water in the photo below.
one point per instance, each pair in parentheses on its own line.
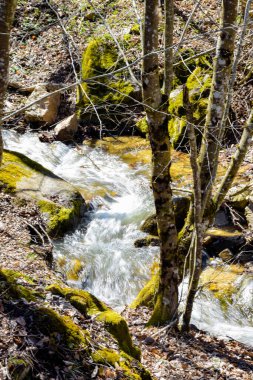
(115,270)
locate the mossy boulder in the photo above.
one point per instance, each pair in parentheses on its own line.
(218,239)
(60,203)
(240,196)
(89,305)
(130,368)
(19,367)
(146,296)
(65,338)
(147,241)
(16,285)
(198,84)
(222,282)
(183,70)
(51,323)
(101,57)
(181,207)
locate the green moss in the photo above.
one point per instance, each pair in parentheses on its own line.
(59,217)
(88,304)
(100,57)
(117,326)
(9,283)
(13,171)
(51,323)
(142,126)
(198,84)
(131,368)
(155,319)
(19,368)
(135,29)
(106,356)
(76,266)
(85,302)
(127,37)
(147,295)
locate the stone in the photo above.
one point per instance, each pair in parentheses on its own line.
(238,196)
(66,129)
(149,240)
(226,255)
(218,239)
(181,207)
(46,110)
(60,203)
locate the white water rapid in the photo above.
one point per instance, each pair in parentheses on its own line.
(115,270)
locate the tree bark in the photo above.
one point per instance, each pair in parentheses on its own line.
(195,264)
(214,127)
(235,163)
(156,109)
(168,43)
(7,8)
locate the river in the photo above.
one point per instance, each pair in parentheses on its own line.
(115,270)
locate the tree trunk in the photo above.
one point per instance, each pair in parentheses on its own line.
(156,108)
(7,8)
(203,209)
(168,43)
(195,263)
(235,163)
(214,128)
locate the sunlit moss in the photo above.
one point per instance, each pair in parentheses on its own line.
(88,304)
(100,57)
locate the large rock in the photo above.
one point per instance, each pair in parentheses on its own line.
(240,196)
(198,84)
(45,111)
(181,207)
(217,240)
(60,203)
(109,92)
(66,129)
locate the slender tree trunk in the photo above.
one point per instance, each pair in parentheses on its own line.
(168,43)
(7,8)
(203,209)
(167,297)
(214,128)
(196,246)
(235,163)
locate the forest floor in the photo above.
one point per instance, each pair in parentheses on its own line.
(166,354)
(39,54)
